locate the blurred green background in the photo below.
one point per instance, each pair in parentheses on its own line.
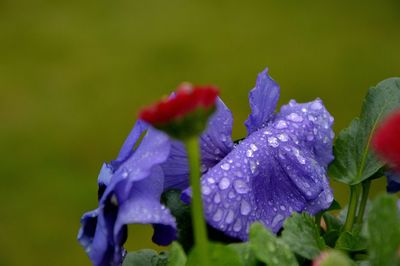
(74,73)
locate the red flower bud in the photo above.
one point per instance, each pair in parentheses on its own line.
(386,140)
(183,114)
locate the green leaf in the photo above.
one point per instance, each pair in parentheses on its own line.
(146,257)
(384,231)
(334,206)
(177,256)
(332,222)
(354,161)
(301,234)
(181,212)
(269,249)
(246,255)
(351,242)
(219,255)
(333,229)
(336,258)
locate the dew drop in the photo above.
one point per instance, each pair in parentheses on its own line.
(224,183)
(217,198)
(229,217)
(245,207)
(253,167)
(316,105)
(211,180)
(249,153)
(277,219)
(283,208)
(205,190)
(223,138)
(283,137)
(295,117)
(218,215)
(272,141)
(281,124)
(253,147)
(226,166)
(240,186)
(237,226)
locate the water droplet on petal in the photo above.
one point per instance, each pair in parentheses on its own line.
(316,105)
(283,208)
(217,198)
(229,217)
(253,167)
(277,219)
(240,186)
(218,215)
(272,141)
(281,124)
(245,207)
(224,183)
(211,180)
(294,117)
(205,190)
(226,166)
(249,153)
(253,147)
(283,137)
(237,226)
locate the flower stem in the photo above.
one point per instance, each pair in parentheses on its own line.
(352,209)
(199,225)
(364,198)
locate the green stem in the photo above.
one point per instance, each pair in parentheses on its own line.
(199,225)
(318,220)
(351,212)
(364,198)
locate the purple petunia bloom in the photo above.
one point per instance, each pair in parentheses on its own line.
(279,168)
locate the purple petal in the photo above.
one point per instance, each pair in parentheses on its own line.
(143,207)
(312,124)
(263,100)
(129,144)
(215,144)
(136,185)
(273,172)
(393,182)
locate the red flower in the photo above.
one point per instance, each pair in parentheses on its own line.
(180,112)
(386,140)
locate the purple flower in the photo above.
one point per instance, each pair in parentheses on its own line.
(130,187)
(129,192)
(279,168)
(393,182)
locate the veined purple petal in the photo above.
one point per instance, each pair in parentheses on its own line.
(140,172)
(215,144)
(312,124)
(129,144)
(265,178)
(143,207)
(263,100)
